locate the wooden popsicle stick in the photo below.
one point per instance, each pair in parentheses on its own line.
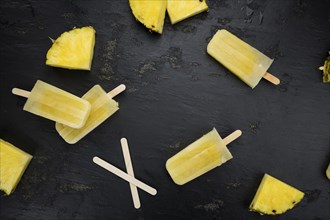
(129,168)
(230,138)
(116,91)
(124,175)
(271,78)
(21,92)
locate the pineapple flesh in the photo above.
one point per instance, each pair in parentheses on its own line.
(151,13)
(13,163)
(180,10)
(73,49)
(275,197)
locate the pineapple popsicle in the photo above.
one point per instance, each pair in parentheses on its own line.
(13,162)
(200,157)
(55,104)
(246,62)
(102,107)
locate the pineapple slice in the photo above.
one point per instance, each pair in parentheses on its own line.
(327,172)
(180,10)
(73,49)
(13,163)
(151,13)
(275,197)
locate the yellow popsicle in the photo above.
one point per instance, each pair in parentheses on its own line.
(55,104)
(102,107)
(201,156)
(13,162)
(246,62)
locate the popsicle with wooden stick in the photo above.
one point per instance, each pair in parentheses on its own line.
(111,168)
(246,62)
(55,104)
(129,168)
(201,156)
(102,107)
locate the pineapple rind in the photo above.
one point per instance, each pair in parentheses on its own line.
(326,70)
(11,157)
(183,9)
(150,13)
(275,197)
(73,49)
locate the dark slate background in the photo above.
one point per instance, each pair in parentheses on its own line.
(175,93)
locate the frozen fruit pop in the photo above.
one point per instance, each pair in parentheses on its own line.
(55,104)
(102,107)
(246,62)
(200,157)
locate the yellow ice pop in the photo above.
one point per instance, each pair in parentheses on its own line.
(55,104)
(246,62)
(13,162)
(200,157)
(102,107)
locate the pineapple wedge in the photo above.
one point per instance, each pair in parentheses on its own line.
(180,10)
(275,197)
(13,163)
(327,172)
(151,13)
(73,49)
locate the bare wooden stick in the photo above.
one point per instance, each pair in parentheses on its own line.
(129,168)
(124,175)
(21,92)
(233,136)
(271,78)
(116,91)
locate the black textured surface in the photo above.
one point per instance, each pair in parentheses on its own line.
(175,93)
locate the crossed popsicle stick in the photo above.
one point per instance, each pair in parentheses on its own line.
(129,176)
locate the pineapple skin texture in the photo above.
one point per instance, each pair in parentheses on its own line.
(183,9)
(151,13)
(275,197)
(326,70)
(73,49)
(13,163)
